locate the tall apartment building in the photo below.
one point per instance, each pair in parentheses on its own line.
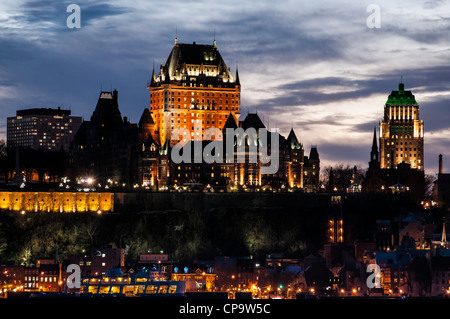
(42,129)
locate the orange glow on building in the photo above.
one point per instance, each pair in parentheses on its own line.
(56,202)
(193,90)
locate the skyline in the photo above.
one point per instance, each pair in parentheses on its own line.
(316,68)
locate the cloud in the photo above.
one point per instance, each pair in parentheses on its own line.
(312,66)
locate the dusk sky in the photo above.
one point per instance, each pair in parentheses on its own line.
(312,65)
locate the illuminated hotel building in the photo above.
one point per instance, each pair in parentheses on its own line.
(42,129)
(194,90)
(401,131)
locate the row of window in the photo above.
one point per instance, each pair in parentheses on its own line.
(401,136)
(406,149)
(401,129)
(193,93)
(406,143)
(131,289)
(208,115)
(405,155)
(205,107)
(42,279)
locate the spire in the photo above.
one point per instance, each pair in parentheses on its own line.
(176,35)
(374,143)
(374,161)
(153,80)
(237,82)
(166,75)
(214,42)
(401,86)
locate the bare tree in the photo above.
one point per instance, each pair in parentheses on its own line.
(340,176)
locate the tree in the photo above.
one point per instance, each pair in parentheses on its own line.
(420,276)
(339,177)
(4,167)
(429,184)
(3,242)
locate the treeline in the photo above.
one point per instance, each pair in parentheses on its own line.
(185,236)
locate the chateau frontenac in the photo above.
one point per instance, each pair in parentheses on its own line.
(194,90)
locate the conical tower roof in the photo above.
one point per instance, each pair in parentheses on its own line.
(230,123)
(292,141)
(146,118)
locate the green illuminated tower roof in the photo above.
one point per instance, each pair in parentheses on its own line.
(401,97)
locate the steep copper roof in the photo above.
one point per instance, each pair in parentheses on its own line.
(184,55)
(230,123)
(252,120)
(292,141)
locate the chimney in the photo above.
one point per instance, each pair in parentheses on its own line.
(440,164)
(125,119)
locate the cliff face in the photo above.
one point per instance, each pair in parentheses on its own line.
(188,226)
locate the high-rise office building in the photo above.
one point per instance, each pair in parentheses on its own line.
(401,131)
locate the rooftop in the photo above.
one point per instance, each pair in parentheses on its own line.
(401,97)
(42,111)
(195,60)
